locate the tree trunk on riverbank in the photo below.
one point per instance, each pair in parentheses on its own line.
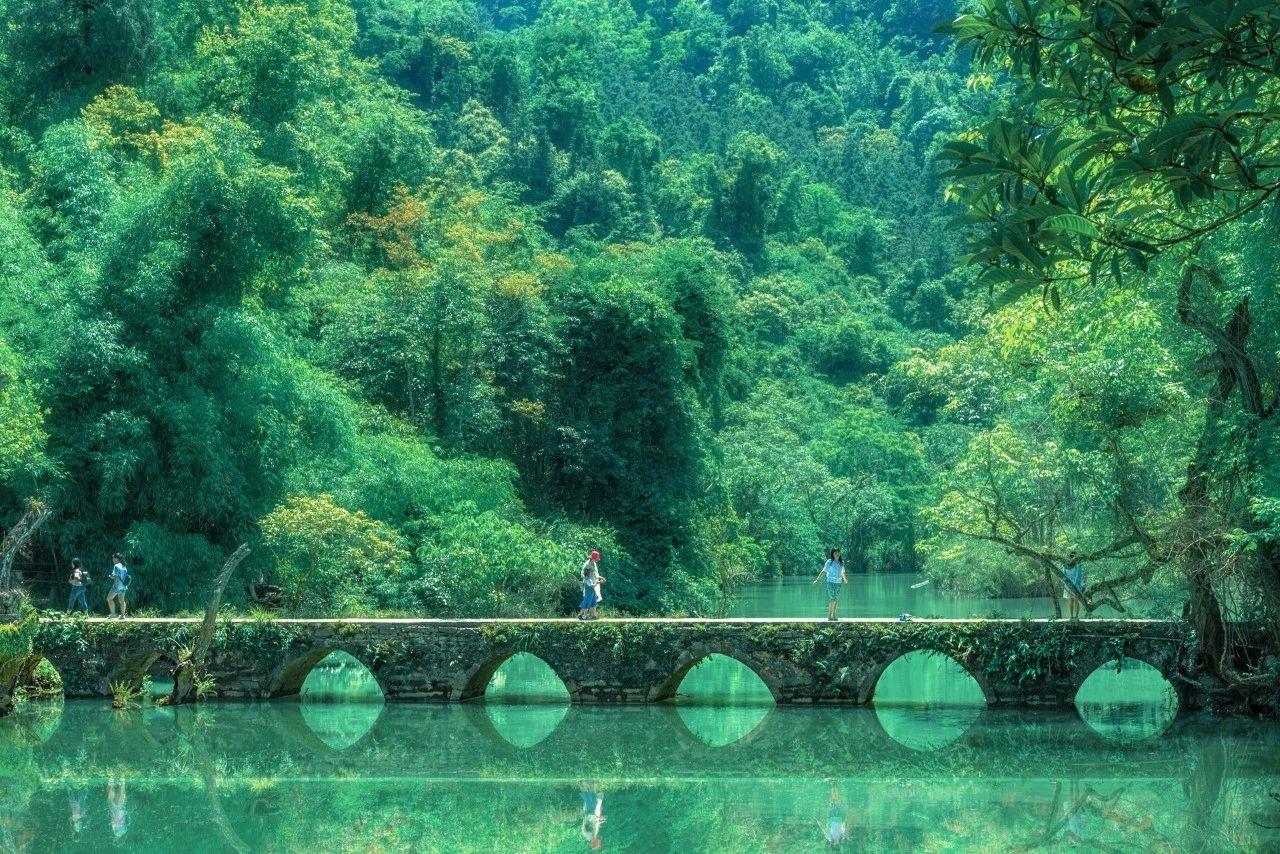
(186,674)
(1233,369)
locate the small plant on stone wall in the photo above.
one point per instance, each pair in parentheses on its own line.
(204,685)
(124,695)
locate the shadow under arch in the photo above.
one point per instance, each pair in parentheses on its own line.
(671,685)
(871,682)
(475,685)
(1127,700)
(289,677)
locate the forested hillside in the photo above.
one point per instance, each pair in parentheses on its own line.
(423,299)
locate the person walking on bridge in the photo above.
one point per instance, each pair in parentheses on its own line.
(591,581)
(79,578)
(833,570)
(119,586)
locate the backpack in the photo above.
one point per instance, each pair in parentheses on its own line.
(124,575)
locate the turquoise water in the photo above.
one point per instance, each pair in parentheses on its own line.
(891,594)
(264,777)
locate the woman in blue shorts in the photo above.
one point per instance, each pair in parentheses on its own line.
(833,571)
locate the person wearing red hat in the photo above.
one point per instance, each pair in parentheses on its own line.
(591,581)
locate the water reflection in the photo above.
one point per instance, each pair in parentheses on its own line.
(719,726)
(340,700)
(40,720)
(926,728)
(1127,701)
(340,725)
(525,700)
(720,700)
(428,777)
(525,726)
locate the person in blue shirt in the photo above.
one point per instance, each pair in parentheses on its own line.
(119,586)
(1074,575)
(833,571)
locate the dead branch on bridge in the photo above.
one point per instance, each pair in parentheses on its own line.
(187,671)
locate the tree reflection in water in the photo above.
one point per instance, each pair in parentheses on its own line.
(441,777)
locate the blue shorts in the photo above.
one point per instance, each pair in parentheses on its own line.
(117,590)
(833,591)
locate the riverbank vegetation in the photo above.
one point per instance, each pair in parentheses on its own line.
(425,300)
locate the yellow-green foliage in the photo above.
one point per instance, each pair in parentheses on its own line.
(330,558)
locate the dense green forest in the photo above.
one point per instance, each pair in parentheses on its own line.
(423,300)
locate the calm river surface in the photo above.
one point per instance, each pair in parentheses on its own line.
(923,768)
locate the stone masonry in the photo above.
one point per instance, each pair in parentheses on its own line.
(1015,662)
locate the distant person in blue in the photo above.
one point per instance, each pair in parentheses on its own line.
(79,578)
(1074,575)
(119,585)
(833,571)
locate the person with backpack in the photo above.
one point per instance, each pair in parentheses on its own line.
(119,585)
(79,580)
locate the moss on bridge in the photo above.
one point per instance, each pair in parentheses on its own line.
(1014,662)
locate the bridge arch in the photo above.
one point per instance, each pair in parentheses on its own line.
(1127,699)
(41,677)
(287,678)
(867,690)
(689,659)
(474,684)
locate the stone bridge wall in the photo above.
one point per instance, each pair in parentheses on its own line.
(613,661)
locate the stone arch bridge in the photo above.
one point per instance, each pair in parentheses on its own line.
(1015,662)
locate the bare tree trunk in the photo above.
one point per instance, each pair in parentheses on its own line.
(37,514)
(185,672)
(1206,614)
(1051,586)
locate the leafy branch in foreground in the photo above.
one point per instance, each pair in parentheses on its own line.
(1136,127)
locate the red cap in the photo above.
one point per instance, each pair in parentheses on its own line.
(595,555)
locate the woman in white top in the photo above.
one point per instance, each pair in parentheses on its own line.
(833,569)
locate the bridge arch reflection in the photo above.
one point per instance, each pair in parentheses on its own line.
(290,677)
(926,700)
(1127,700)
